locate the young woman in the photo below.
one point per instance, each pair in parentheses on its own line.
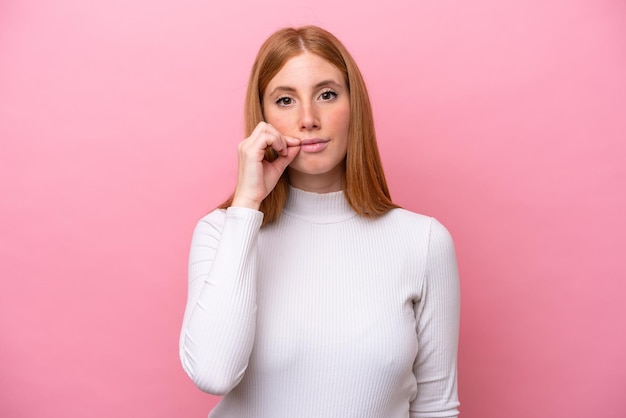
(310,293)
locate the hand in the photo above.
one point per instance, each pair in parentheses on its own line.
(257,176)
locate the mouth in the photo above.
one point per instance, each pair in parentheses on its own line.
(313,145)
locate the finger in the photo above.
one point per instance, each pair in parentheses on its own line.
(281,142)
(265,135)
(261,138)
(291,141)
(276,140)
(258,130)
(283,161)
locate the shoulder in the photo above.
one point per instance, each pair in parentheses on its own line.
(215,217)
(440,236)
(209,228)
(441,251)
(426,227)
(214,220)
(218,217)
(407,219)
(404,215)
(217,220)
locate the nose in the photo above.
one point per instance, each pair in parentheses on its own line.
(309,118)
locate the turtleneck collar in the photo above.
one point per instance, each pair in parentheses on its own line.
(321,208)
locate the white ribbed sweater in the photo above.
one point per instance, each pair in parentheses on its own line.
(323,314)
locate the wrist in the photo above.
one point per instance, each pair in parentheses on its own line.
(243,202)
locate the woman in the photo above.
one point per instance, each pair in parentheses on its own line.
(310,293)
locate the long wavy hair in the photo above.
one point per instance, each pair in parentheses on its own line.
(364,184)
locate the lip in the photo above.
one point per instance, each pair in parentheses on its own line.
(313,145)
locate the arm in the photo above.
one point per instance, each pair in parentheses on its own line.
(437,319)
(220,316)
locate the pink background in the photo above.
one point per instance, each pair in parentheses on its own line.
(119,122)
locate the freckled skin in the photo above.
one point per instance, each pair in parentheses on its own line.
(309,98)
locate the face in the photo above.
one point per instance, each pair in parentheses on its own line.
(308,99)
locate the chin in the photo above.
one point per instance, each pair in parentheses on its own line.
(311,171)
(314,168)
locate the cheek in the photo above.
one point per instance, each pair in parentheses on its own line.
(340,121)
(279,120)
(270,115)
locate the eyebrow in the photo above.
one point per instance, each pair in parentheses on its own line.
(322,83)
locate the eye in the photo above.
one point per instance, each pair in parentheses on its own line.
(328,95)
(284,101)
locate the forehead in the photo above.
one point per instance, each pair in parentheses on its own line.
(306,68)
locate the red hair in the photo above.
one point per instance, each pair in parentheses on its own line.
(364,184)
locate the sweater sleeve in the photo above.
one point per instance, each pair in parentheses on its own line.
(437,319)
(220,316)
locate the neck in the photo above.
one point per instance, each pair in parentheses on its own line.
(317,183)
(322,208)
